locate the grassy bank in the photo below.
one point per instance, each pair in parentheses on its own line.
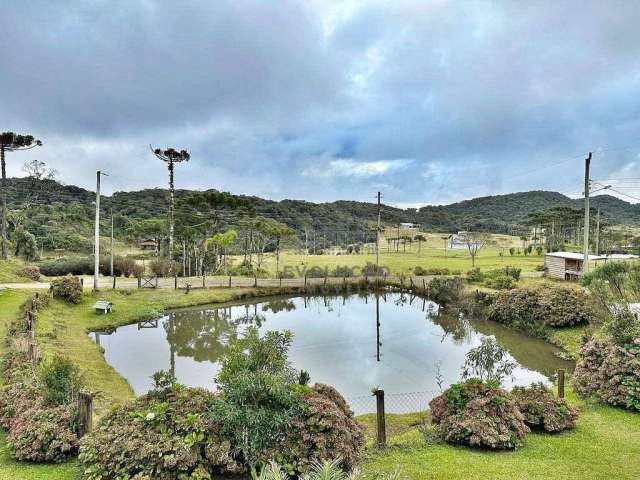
(605,445)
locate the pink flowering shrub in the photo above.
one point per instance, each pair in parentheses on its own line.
(609,372)
(478,414)
(541,410)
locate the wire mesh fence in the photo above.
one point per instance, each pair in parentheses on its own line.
(407,402)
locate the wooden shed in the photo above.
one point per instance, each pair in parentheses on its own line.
(567,265)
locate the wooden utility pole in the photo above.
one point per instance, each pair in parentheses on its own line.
(587,187)
(111,244)
(598,233)
(378,238)
(96,236)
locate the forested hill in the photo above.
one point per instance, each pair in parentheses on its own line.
(499,213)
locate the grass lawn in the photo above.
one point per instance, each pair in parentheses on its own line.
(9,271)
(605,445)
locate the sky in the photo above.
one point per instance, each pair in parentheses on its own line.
(429,102)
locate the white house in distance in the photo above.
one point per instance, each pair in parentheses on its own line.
(409,226)
(569,265)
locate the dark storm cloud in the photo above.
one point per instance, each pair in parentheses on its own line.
(430,101)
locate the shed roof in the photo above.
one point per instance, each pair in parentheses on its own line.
(574,256)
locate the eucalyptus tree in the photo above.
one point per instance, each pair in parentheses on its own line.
(10,142)
(171,156)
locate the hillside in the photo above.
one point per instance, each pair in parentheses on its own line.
(63,214)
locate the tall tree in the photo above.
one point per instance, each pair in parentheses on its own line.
(10,142)
(171,156)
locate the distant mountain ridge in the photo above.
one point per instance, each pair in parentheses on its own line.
(496,213)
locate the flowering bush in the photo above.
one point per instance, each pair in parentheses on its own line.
(32,272)
(542,410)
(68,288)
(445,290)
(609,372)
(532,308)
(478,414)
(164,434)
(44,434)
(325,430)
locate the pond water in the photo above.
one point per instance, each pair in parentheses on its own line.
(338,340)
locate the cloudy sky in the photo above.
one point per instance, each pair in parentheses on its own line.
(427,101)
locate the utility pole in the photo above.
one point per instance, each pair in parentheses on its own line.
(96,236)
(111,244)
(587,187)
(598,233)
(378,238)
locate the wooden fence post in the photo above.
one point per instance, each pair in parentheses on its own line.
(139,280)
(85,413)
(114,282)
(33,353)
(229,281)
(175,281)
(381,426)
(561,383)
(255,281)
(280,281)
(204,280)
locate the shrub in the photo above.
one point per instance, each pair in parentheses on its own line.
(164,434)
(532,308)
(609,372)
(446,290)
(501,282)
(159,267)
(421,272)
(67,266)
(325,429)
(68,288)
(59,380)
(623,327)
(32,272)
(475,275)
(513,272)
(541,410)
(44,434)
(478,415)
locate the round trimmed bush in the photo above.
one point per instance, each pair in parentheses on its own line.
(325,430)
(68,288)
(542,411)
(478,414)
(609,372)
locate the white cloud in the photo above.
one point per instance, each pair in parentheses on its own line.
(348,167)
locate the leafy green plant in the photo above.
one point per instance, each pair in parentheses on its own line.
(489,362)
(60,380)
(256,401)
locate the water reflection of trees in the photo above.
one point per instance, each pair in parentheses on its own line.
(453,325)
(204,335)
(279,305)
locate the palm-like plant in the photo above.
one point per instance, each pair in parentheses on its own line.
(319,470)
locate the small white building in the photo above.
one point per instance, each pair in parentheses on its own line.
(409,226)
(567,265)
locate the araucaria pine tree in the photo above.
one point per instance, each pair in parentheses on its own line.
(10,142)
(171,156)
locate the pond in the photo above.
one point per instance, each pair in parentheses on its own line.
(401,343)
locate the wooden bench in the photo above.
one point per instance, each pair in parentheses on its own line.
(103,306)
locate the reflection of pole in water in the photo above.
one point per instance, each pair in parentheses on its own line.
(424,301)
(97,337)
(305,301)
(172,352)
(378,343)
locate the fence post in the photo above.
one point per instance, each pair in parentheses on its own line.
(114,282)
(561,383)
(229,281)
(255,281)
(305,282)
(33,353)
(85,413)
(204,280)
(139,280)
(175,281)
(381,427)
(280,281)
